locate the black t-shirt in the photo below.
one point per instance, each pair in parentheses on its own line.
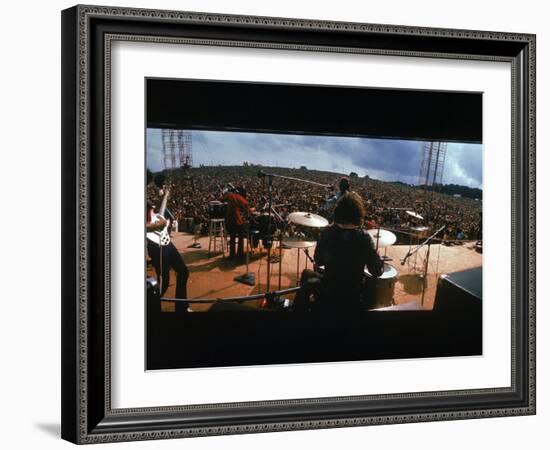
(344,253)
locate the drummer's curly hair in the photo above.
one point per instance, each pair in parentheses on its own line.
(349,210)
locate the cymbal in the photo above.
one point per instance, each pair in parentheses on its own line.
(297,243)
(415,215)
(385,238)
(307,219)
(420,229)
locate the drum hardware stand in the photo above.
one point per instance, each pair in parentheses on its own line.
(385,257)
(248,278)
(298,269)
(306,251)
(424,276)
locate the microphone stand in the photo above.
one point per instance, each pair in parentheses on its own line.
(428,241)
(269,236)
(248,278)
(261,174)
(270,176)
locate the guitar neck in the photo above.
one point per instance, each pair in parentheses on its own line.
(164,202)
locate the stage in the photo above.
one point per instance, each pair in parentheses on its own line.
(214,277)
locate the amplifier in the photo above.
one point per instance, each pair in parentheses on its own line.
(459,293)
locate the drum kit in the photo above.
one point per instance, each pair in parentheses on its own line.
(378,291)
(305,228)
(301,230)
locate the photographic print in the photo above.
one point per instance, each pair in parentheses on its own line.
(285,246)
(325,205)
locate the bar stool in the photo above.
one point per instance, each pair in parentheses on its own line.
(253,241)
(217,232)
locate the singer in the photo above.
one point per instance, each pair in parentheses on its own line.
(343,187)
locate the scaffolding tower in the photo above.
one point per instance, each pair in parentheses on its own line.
(177,147)
(433,163)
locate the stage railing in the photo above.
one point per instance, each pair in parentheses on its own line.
(408,233)
(246,298)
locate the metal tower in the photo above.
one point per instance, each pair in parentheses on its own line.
(433,163)
(177,146)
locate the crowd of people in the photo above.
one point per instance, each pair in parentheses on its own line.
(385,202)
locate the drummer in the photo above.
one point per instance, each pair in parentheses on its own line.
(344,249)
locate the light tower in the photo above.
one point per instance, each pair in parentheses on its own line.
(177,146)
(433,163)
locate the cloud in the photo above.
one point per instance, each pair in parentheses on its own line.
(385,159)
(463,165)
(154,157)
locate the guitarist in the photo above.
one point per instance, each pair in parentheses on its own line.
(165,257)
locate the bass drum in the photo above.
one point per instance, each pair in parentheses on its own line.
(378,292)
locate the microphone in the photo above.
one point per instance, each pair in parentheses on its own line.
(261,174)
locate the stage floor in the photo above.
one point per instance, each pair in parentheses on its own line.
(214,277)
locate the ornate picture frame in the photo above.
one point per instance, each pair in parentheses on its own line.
(87,413)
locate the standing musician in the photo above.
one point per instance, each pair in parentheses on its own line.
(236,216)
(166,257)
(344,249)
(343,187)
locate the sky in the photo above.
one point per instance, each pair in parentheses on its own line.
(382,159)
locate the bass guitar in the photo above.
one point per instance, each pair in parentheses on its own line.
(160,237)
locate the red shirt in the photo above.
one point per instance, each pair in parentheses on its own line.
(237,206)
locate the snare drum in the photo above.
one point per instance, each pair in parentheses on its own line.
(378,291)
